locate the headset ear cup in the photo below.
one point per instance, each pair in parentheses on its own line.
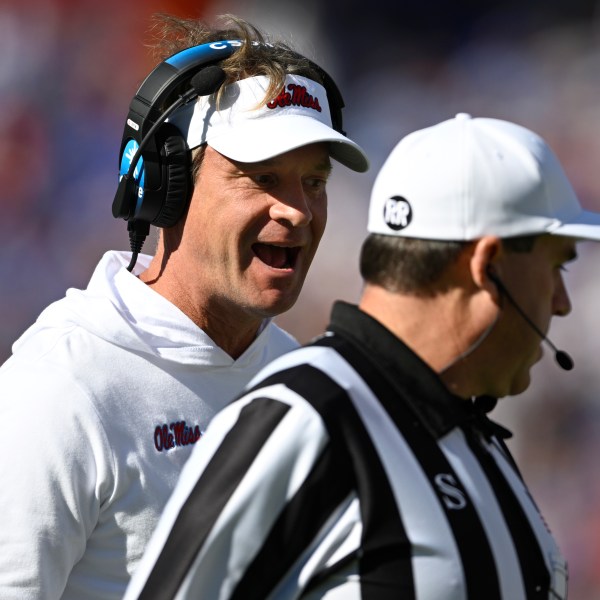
(176,157)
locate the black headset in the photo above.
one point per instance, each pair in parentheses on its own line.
(156,189)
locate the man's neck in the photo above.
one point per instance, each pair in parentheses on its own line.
(231,328)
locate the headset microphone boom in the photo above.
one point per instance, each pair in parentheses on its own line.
(562,358)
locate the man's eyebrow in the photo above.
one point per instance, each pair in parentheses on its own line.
(323,165)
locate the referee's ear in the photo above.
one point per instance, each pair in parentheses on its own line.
(486,253)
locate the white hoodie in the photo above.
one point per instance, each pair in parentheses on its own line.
(100,405)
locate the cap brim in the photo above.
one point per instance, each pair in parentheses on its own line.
(586,226)
(261,139)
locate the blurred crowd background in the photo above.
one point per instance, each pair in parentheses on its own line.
(68,69)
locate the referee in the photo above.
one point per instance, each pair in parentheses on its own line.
(364,466)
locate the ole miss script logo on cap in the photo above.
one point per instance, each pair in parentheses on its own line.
(297,96)
(397,213)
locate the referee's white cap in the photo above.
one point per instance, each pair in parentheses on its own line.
(469,177)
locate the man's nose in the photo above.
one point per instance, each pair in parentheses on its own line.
(292,206)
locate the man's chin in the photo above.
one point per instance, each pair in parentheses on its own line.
(275,303)
(520,384)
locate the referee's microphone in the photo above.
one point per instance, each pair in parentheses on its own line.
(562,358)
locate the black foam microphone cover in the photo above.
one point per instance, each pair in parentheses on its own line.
(208,80)
(564,360)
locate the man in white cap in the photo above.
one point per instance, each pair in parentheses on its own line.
(364,466)
(107,393)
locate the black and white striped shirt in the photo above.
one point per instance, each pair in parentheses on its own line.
(350,472)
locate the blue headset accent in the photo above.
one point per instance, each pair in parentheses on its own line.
(190,57)
(138,174)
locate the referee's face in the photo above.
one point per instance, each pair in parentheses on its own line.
(535,281)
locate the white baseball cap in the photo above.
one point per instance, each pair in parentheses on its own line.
(465,178)
(246,128)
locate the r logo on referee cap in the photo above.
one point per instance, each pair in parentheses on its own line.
(397,213)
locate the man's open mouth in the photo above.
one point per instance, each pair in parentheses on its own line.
(277,257)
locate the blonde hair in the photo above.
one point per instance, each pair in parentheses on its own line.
(257,55)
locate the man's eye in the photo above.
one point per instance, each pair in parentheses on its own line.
(316,183)
(263,179)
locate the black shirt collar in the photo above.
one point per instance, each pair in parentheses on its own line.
(438,409)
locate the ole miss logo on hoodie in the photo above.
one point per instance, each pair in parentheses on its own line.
(173,435)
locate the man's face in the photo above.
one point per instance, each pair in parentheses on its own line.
(253,230)
(535,281)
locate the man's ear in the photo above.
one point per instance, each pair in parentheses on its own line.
(485,260)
